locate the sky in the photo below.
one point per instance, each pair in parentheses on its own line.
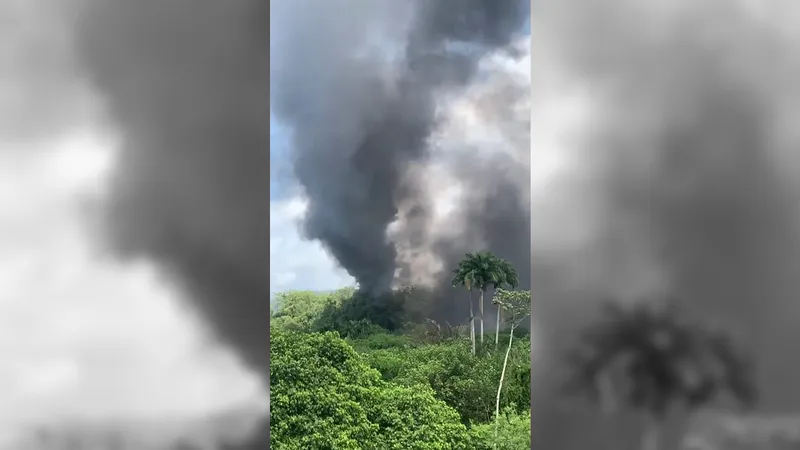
(84,336)
(299,264)
(295,263)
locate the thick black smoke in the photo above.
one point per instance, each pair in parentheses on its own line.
(361,121)
(690,163)
(187,83)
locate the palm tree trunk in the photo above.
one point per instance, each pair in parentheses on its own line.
(500,385)
(650,437)
(471,323)
(497,328)
(481,312)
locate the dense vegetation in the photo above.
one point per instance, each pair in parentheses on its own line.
(349,371)
(353,372)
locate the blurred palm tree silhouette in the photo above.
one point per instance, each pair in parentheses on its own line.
(661,361)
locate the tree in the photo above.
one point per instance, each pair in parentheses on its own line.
(299,310)
(466,382)
(665,359)
(483,270)
(511,279)
(517,305)
(324,396)
(465,276)
(514,432)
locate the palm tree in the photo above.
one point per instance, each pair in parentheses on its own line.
(464,276)
(509,278)
(665,360)
(484,270)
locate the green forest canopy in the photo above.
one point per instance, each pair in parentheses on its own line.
(341,381)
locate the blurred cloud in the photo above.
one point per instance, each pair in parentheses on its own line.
(42,90)
(83,336)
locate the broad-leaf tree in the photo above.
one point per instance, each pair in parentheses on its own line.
(517,305)
(465,382)
(325,396)
(665,361)
(511,432)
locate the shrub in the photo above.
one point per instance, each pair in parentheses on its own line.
(513,432)
(465,382)
(325,396)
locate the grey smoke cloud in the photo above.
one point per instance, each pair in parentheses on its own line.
(187,82)
(362,120)
(689,170)
(42,94)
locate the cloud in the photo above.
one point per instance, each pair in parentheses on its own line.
(296,263)
(83,336)
(42,89)
(489,119)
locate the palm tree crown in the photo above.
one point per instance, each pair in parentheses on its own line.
(481,268)
(480,271)
(507,274)
(665,359)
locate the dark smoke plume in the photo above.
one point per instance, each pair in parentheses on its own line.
(687,169)
(187,83)
(362,121)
